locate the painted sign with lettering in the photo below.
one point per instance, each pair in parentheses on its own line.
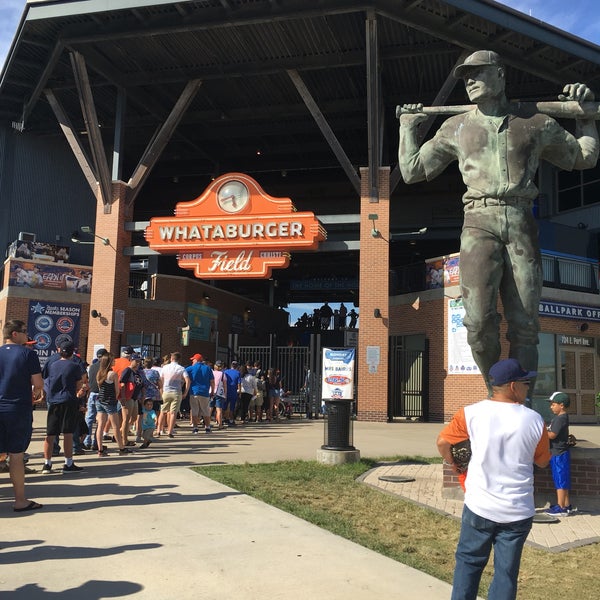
(234,229)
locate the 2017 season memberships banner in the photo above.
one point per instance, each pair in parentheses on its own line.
(50,323)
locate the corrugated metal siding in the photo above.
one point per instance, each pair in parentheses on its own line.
(58,182)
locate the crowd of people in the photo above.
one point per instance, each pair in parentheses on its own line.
(325,318)
(125,400)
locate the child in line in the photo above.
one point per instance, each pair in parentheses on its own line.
(560,462)
(148,422)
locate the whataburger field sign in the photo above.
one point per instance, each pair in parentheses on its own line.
(234,229)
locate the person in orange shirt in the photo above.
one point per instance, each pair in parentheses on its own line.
(507,439)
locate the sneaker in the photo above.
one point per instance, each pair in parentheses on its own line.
(72,469)
(571,509)
(107,438)
(103,452)
(556,511)
(79,452)
(207,430)
(123,451)
(195,430)
(46,469)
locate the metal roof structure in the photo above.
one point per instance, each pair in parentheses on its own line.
(283,86)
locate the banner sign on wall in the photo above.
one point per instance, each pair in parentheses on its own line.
(338,374)
(202,321)
(50,276)
(562,310)
(50,323)
(460,358)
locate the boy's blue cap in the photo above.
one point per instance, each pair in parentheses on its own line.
(508,370)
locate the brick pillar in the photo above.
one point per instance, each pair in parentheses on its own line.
(374,294)
(110,282)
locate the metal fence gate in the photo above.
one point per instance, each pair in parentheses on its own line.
(298,365)
(408,386)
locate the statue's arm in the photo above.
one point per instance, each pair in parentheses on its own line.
(425,162)
(409,158)
(586,130)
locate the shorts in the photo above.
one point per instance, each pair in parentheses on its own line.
(561,470)
(147,435)
(62,418)
(220,402)
(256,401)
(199,405)
(171,402)
(229,403)
(107,409)
(15,431)
(128,405)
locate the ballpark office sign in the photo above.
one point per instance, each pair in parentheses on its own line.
(234,229)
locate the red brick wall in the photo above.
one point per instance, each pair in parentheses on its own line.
(448,393)
(372,393)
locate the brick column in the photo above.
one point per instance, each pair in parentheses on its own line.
(374,294)
(110,282)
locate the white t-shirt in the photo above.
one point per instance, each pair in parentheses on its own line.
(504,441)
(173,377)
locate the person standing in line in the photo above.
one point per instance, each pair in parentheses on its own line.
(107,406)
(249,391)
(220,392)
(89,442)
(64,380)
(507,439)
(234,382)
(153,389)
(202,387)
(174,379)
(560,462)
(20,378)
(131,386)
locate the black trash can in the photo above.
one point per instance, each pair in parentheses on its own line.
(338,425)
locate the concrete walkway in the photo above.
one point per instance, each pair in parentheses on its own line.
(146,526)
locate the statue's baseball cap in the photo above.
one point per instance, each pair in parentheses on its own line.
(560,398)
(508,370)
(481,58)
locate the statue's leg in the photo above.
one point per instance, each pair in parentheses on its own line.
(481,267)
(521,288)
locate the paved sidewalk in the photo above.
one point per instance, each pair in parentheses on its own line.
(146,526)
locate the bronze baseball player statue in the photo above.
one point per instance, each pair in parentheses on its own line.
(498,146)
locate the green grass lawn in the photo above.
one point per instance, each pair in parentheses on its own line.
(330,497)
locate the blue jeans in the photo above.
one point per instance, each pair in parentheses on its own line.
(90,419)
(477,536)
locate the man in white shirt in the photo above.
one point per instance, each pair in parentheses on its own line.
(175,386)
(507,439)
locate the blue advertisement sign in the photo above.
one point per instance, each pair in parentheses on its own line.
(50,323)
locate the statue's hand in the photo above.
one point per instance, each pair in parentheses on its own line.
(579,92)
(412,114)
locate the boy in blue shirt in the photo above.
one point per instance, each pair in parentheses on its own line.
(148,422)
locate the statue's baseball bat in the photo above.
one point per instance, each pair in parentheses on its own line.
(561,110)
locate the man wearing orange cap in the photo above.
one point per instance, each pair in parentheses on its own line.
(202,387)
